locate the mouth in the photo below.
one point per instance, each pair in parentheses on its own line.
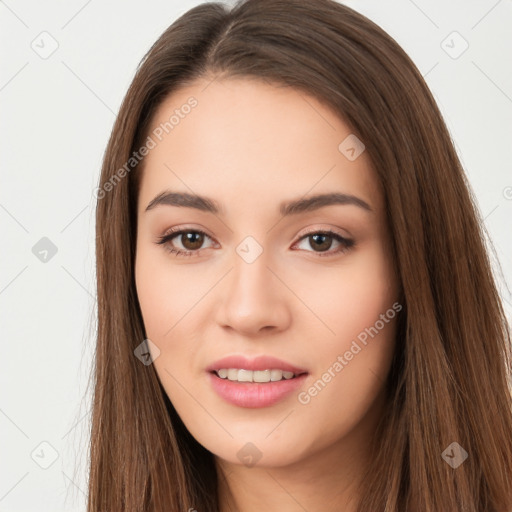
(258,382)
(251,394)
(256,376)
(254,367)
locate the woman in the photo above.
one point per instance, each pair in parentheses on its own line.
(296,309)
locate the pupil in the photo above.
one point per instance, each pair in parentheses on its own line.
(323,246)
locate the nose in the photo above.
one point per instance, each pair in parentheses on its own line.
(253,299)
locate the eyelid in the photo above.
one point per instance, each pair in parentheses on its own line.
(180,229)
(326,228)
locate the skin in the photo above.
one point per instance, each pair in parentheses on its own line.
(250,145)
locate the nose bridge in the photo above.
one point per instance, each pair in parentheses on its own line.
(251,278)
(254,297)
(250,273)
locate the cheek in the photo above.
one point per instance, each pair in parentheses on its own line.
(153,301)
(350,366)
(166,291)
(348,298)
(170,297)
(166,295)
(357,308)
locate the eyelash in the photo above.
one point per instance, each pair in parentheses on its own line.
(164,240)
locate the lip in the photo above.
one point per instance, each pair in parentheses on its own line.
(254,394)
(258,363)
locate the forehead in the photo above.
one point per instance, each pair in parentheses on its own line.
(246,139)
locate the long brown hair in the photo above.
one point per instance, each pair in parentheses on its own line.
(449,378)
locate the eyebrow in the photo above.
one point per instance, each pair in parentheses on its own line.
(296,206)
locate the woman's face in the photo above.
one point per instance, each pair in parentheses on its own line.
(264,279)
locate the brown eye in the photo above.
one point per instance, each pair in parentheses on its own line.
(192,240)
(322,242)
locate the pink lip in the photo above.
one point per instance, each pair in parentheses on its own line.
(258,363)
(254,394)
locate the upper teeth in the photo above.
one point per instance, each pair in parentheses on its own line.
(253,376)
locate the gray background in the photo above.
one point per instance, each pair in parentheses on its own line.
(57,112)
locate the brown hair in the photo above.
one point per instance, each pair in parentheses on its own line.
(449,377)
